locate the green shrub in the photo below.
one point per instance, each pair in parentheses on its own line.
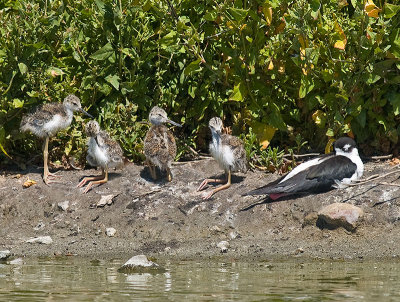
(293,71)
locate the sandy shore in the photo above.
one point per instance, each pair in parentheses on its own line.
(171,219)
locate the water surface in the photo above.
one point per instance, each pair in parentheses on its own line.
(82,279)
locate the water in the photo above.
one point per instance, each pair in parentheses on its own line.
(80,279)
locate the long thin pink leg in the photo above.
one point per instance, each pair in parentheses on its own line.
(208,180)
(223,187)
(48,177)
(100,181)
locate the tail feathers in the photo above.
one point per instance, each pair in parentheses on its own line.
(260,191)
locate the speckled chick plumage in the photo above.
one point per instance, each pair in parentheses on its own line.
(50,118)
(159,143)
(103,151)
(228,150)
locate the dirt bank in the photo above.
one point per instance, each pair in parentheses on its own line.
(172,220)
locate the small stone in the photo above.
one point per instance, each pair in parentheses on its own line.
(340,215)
(110,232)
(234,235)
(298,251)
(63,206)
(140,264)
(215,229)
(105,200)
(223,245)
(17,261)
(41,240)
(4,254)
(39,226)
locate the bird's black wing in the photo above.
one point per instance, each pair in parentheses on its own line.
(317,178)
(334,168)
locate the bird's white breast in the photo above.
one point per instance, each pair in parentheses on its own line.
(355,158)
(99,154)
(223,154)
(57,123)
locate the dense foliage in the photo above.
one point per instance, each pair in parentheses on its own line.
(287,71)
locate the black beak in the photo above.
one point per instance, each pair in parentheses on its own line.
(83,111)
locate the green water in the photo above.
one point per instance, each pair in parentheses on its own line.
(78,279)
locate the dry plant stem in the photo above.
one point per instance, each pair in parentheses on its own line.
(371,178)
(389,184)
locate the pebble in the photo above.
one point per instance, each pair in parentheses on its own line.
(41,239)
(105,200)
(110,232)
(140,264)
(4,254)
(39,226)
(64,205)
(223,245)
(340,215)
(18,261)
(234,235)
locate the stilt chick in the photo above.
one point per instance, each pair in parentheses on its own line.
(228,151)
(47,120)
(103,152)
(159,143)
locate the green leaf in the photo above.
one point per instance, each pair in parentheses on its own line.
(330,132)
(238,93)
(113,80)
(362,118)
(394,99)
(192,68)
(315,6)
(237,14)
(169,39)
(17,103)
(54,71)
(104,88)
(275,118)
(391,10)
(22,68)
(192,91)
(211,16)
(307,84)
(103,53)
(372,78)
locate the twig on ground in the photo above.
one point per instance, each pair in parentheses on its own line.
(371,178)
(379,157)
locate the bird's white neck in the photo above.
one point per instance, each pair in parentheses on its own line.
(216,139)
(354,157)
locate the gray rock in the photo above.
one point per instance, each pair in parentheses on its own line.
(340,215)
(4,254)
(140,264)
(110,232)
(223,245)
(41,240)
(63,206)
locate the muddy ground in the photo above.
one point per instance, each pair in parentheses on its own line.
(171,220)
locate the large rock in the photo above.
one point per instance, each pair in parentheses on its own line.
(140,264)
(340,215)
